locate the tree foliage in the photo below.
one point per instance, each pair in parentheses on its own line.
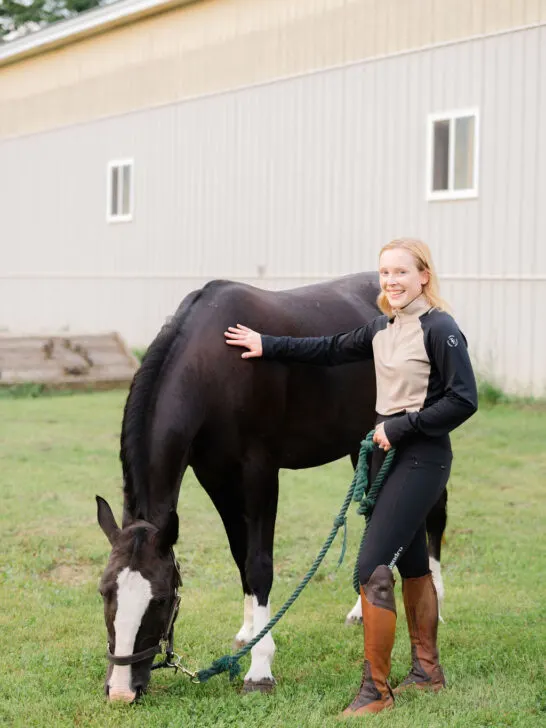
(20,17)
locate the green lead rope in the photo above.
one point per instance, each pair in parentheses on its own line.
(359,490)
(366,493)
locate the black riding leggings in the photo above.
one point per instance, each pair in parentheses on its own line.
(416,480)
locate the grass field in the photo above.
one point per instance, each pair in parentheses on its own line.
(57,453)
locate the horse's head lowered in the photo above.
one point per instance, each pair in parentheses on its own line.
(140,591)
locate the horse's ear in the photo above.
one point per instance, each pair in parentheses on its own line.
(168,534)
(106,519)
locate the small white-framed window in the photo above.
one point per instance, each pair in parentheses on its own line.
(119,190)
(452,155)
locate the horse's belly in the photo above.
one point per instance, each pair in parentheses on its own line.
(296,458)
(329,412)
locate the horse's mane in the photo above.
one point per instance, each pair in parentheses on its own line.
(139,405)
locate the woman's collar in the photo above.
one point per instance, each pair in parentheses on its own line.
(415,308)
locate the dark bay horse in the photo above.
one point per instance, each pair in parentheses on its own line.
(195,402)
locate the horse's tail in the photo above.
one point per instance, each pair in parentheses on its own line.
(139,405)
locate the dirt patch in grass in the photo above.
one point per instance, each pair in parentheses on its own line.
(72,574)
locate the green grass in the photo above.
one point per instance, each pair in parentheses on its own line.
(139,353)
(57,452)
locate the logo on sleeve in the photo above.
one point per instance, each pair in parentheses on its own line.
(452,340)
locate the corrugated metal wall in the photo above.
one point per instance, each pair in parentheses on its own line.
(217,45)
(295,181)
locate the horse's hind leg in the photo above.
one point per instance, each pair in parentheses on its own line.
(436,525)
(261,484)
(355,615)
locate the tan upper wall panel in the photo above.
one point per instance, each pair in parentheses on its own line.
(217,45)
(530,10)
(500,14)
(456,18)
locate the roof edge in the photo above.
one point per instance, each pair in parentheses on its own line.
(84,25)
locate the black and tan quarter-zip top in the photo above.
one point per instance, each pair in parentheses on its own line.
(422,367)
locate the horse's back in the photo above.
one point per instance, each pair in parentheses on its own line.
(306,415)
(312,310)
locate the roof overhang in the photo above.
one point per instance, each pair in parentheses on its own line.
(84,25)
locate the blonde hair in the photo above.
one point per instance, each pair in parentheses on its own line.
(423,260)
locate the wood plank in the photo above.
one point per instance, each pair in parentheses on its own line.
(85,360)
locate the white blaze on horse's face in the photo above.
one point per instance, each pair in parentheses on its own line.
(133,596)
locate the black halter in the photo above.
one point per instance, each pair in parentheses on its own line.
(167,635)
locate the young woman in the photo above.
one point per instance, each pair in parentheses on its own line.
(425,389)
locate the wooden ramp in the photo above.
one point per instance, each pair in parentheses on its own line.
(92,361)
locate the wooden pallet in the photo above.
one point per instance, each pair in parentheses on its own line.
(88,361)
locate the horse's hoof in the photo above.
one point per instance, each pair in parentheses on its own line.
(265,685)
(353,621)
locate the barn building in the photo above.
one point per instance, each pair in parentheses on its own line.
(149,146)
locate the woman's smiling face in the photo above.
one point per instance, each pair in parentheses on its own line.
(400,278)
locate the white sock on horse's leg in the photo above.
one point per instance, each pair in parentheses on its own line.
(355,615)
(244,635)
(262,653)
(436,570)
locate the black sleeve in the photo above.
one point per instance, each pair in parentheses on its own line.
(447,350)
(323,350)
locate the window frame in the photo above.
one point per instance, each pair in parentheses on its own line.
(119,164)
(450,193)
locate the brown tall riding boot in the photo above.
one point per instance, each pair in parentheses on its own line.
(421,605)
(379,618)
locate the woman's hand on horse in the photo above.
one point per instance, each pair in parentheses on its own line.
(243,336)
(380,438)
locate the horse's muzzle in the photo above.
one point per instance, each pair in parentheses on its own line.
(116,695)
(122,696)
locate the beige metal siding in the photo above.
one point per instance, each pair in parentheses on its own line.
(218,45)
(286,183)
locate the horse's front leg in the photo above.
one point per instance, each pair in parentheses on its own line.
(259,677)
(224,491)
(262,509)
